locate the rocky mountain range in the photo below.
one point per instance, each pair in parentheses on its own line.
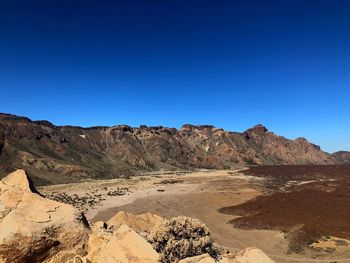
(58,154)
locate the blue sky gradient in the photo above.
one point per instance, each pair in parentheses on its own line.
(232,64)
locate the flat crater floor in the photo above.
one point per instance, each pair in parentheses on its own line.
(292,213)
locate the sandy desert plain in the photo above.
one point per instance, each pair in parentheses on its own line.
(293,213)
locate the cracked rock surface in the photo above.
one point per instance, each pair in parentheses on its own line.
(35,229)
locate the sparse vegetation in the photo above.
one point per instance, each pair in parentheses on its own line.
(77,201)
(88,200)
(118,191)
(181,237)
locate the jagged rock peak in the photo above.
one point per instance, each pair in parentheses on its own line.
(257,129)
(45,123)
(7,116)
(19,179)
(123,127)
(191,127)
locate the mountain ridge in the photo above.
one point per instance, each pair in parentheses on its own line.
(342,156)
(58,154)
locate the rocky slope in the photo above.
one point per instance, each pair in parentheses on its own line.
(57,154)
(36,229)
(342,157)
(2,138)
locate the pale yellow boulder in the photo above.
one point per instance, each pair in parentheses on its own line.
(140,223)
(99,225)
(35,229)
(98,240)
(126,246)
(248,255)
(205,258)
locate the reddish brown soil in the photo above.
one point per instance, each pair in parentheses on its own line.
(300,172)
(305,211)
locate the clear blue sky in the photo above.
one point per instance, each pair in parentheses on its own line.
(233,64)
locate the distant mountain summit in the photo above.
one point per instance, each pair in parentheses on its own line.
(58,154)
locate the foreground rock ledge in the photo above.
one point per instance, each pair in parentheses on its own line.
(36,229)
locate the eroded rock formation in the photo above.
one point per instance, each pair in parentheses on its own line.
(123,245)
(60,154)
(35,229)
(143,223)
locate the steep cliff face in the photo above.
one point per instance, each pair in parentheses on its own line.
(57,154)
(254,146)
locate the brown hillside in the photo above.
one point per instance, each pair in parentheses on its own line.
(57,154)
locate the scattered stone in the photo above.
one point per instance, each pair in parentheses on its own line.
(118,191)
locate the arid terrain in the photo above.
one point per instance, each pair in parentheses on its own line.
(292,213)
(53,154)
(175,131)
(34,228)
(252,189)
(308,203)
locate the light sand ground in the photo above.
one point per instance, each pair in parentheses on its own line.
(200,195)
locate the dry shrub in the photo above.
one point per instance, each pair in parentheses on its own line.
(181,237)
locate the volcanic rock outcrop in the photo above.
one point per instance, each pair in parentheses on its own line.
(143,223)
(123,245)
(60,154)
(36,229)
